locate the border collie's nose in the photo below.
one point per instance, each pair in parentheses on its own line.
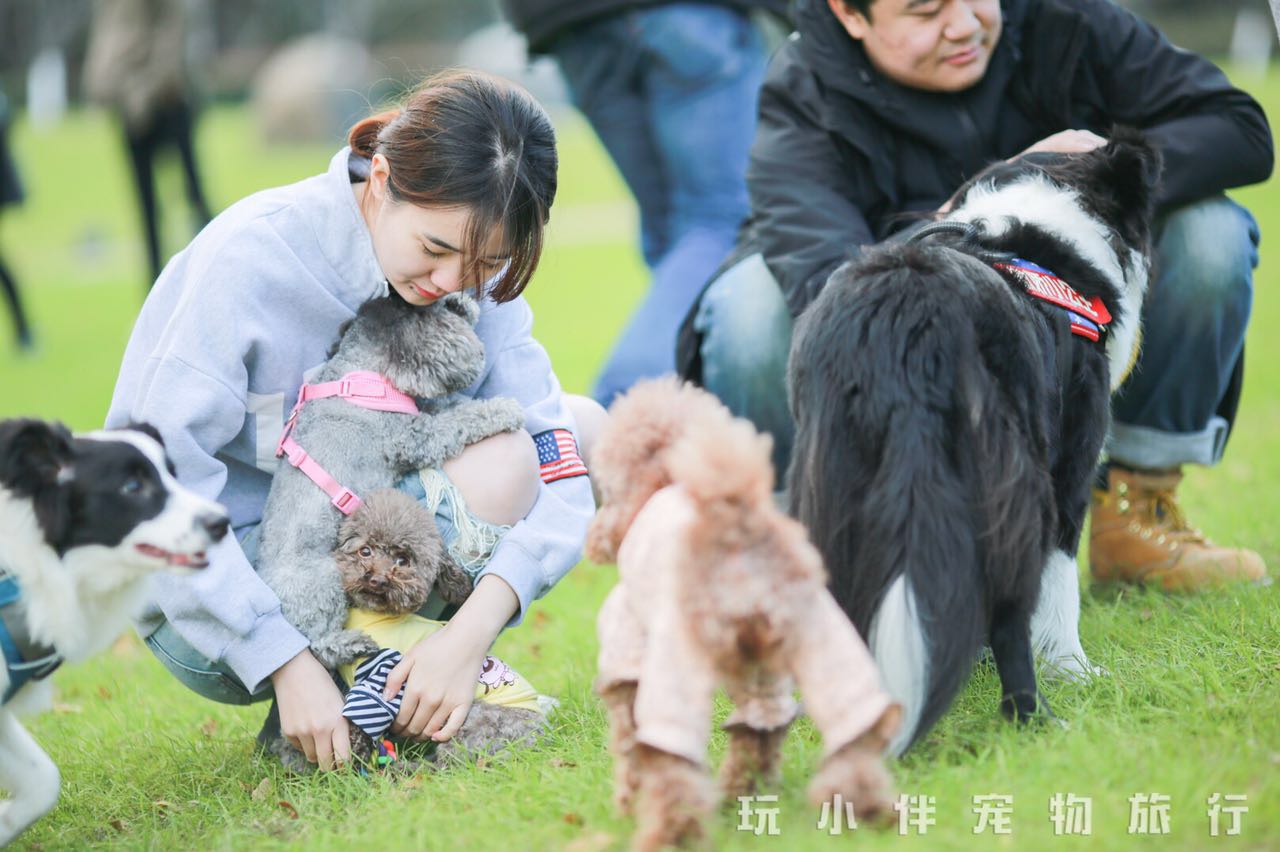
(216,526)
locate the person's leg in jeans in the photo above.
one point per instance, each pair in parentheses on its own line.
(679,130)
(1178,405)
(745,329)
(601,62)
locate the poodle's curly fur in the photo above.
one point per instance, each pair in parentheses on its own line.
(714,560)
(390,556)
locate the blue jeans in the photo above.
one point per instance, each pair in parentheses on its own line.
(1176,407)
(671,90)
(469,540)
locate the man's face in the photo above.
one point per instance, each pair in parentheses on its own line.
(936,45)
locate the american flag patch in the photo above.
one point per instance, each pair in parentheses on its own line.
(558,455)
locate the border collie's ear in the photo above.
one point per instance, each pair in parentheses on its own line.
(1130,166)
(32,452)
(148,430)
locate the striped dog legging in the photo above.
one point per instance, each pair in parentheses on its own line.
(365,706)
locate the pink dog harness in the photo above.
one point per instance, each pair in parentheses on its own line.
(363,388)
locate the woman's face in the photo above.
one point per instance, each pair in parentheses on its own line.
(420,248)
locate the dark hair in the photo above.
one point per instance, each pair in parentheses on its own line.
(862,7)
(468,139)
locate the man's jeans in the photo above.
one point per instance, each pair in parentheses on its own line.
(671,90)
(1176,407)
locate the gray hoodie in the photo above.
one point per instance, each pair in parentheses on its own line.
(235,324)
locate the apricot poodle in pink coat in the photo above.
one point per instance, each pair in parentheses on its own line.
(718,588)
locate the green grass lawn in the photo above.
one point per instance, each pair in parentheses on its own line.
(1191,708)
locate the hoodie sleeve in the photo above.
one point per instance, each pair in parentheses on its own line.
(225,611)
(803,214)
(1213,136)
(546,543)
(186,371)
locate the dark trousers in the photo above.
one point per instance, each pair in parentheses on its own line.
(21,329)
(171,126)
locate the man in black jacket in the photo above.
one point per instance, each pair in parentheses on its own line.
(670,88)
(879,109)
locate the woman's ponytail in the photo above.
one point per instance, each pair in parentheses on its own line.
(363,136)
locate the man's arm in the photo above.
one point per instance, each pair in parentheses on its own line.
(803,192)
(1213,136)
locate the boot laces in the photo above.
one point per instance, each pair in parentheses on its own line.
(1169,515)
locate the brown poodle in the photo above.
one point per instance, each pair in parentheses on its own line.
(718,588)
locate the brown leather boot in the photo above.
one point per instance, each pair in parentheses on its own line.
(1139,535)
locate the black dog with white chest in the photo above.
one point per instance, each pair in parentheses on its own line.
(84,520)
(951,399)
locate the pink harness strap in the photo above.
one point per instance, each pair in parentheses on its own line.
(362,388)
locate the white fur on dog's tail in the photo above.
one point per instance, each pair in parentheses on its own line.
(899,647)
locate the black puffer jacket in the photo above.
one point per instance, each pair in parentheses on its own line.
(843,156)
(542,20)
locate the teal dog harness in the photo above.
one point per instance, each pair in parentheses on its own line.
(24,659)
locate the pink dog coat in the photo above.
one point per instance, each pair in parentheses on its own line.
(645,637)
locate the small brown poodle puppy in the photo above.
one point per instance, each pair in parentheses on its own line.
(718,588)
(390,555)
(389,558)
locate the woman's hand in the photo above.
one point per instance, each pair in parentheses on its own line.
(310,705)
(439,673)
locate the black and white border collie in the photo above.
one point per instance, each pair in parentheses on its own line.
(83,521)
(950,421)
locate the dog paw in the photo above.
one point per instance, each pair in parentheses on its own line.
(363,747)
(343,647)
(1023,707)
(858,776)
(503,414)
(292,759)
(624,797)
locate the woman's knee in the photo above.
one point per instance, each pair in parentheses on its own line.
(590,417)
(497,477)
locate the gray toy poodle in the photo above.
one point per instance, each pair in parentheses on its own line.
(427,352)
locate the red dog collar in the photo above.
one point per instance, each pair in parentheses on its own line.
(1089,317)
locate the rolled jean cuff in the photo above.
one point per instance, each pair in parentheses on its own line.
(1154,449)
